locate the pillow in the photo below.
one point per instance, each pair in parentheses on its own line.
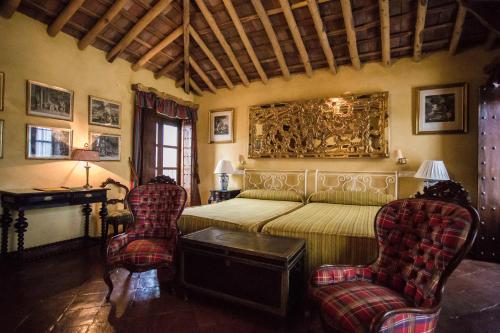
(271,195)
(351,198)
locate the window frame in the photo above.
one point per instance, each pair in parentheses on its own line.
(159,146)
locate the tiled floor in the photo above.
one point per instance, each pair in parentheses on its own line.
(65,293)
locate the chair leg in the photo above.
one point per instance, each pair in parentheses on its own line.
(109,283)
(115,228)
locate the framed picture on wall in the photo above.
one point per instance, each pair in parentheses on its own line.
(49,101)
(104,112)
(1,138)
(108,146)
(221,126)
(48,143)
(2,88)
(441,109)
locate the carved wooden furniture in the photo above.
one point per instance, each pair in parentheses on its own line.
(219,195)
(487,245)
(421,241)
(150,243)
(23,200)
(276,180)
(252,269)
(351,126)
(118,217)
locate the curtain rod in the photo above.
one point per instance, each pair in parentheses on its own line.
(140,87)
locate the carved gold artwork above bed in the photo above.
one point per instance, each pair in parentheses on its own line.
(351,126)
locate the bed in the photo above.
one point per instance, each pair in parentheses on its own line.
(338,220)
(266,195)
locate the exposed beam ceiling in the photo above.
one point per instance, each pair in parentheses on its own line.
(322,36)
(351,33)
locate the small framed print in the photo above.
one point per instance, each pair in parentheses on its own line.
(2,88)
(108,146)
(441,109)
(1,138)
(221,126)
(49,101)
(103,112)
(48,143)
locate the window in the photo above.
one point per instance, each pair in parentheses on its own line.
(168,149)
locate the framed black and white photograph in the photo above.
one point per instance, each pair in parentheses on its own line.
(441,109)
(104,112)
(49,101)
(2,89)
(1,138)
(221,126)
(108,146)
(49,143)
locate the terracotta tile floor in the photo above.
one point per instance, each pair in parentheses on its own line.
(65,293)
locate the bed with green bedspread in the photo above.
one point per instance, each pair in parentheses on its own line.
(250,211)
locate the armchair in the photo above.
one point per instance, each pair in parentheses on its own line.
(150,242)
(420,241)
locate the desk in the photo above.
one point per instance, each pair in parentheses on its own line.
(22,200)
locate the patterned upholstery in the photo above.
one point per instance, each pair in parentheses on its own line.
(419,242)
(151,241)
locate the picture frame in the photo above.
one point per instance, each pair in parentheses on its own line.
(441,109)
(2,122)
(48,143)
(221,126)
(48,101)
(2,90)
(108,145)
(104,112)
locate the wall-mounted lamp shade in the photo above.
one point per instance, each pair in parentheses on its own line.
(85,155)
(224,166)
(432,170)
(399,154)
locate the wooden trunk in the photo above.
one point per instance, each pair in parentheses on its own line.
(260,271)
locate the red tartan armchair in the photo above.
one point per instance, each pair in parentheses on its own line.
(150,242)
(421,241)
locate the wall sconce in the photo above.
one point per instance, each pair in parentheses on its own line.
(400,157)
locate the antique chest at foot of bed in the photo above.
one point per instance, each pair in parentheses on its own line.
(256,270)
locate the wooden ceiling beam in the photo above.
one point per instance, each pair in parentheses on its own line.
(351,33)
(90,36)
(268,27)
(385,31)
(157,48)
(490,41)
(320,30)
(457,30)
(156,10)
(419,30)
(168,68)
(202,74)
(244,38)
(185,32)
(222,40)
(9,7)
(64,17)
(195,86)
(179,83)
(211,57)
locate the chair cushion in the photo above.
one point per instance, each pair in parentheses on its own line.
(352,306)
(143,252)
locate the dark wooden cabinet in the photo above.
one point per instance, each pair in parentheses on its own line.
(219,195)
(487,244)
(256,270)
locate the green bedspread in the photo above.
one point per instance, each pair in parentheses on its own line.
(235,214)
(334,234)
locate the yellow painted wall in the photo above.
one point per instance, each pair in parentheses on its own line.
(28,53)
(458,151)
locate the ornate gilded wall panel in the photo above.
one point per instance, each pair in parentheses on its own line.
(351,126)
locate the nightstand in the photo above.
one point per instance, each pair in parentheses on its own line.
(220,195)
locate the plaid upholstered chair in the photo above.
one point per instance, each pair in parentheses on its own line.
(421,241)
(150,242)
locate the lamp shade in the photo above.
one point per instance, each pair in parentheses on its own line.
(433,170)
(224,166)
(85,155)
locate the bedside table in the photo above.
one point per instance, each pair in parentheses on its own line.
(220,195)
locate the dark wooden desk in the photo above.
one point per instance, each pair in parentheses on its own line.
(26,199)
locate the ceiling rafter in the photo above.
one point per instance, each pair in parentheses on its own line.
(457,30)
(385,32)
(156,10)
(351,33)
(202,75)
(63,18)
(185,32)
(490,41)
(322,36)
(195,86)
(222,40)
(271,34)
(419,30)
(157,48)
(168,68)
(244,38)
